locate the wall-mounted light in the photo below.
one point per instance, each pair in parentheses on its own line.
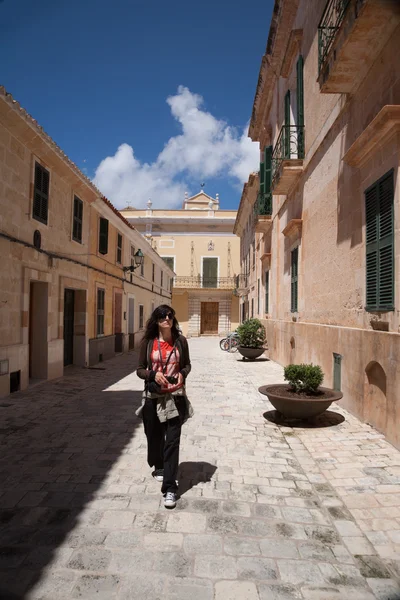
(139,258)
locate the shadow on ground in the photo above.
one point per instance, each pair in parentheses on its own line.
(254,360)
(193,473)
(327,419)
(58,443)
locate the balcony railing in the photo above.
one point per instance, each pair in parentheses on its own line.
(332,19)
(290,145)
(241,282)
(220,283)
(263,205)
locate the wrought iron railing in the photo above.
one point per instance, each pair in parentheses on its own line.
(263,205)
(196,281)
(242,281)
(290,145)
(331,21)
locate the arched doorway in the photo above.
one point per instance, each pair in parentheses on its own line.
(375,403)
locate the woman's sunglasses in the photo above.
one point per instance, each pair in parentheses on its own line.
(168,315)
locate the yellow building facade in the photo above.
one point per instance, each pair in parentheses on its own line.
(320,223)
(198,244)
(65,296)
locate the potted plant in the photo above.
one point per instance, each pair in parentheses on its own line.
(302,397)
(251,339)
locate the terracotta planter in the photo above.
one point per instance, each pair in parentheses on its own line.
(299,407)
(250,353)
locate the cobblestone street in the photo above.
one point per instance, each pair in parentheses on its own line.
(267,511)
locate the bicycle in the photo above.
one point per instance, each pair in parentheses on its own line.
(230,343)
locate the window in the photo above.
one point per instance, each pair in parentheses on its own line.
(100,311)
(119,248)
(294,279)
(252,307)
(266,292)
(379,199)
(210,272)
(300,107)
(77,221)
(103,236)
(141,316)
(153,272)
(41,194)
(258,296)
(254,255)
(170,261)
(162,278)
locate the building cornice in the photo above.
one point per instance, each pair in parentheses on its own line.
(271,64)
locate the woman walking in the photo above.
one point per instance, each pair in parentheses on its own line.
(164,364)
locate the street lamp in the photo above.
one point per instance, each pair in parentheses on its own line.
(139,258)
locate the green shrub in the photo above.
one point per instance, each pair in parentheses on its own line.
(304,378)
(251,333)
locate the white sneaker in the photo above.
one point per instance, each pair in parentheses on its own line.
(158,474)
(170,500)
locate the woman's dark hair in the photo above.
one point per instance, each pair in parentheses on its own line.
(151,331)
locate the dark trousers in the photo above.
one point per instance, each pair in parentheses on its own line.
(162,443)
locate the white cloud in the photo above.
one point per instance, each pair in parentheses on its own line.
(206,148)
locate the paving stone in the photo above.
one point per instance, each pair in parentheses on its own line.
(315,551)
(117,519)
(90,559)
(131,560)
(186,523)
(124,539)
(143,587)
(236,546)
(174,564)
(359,545)
(300,571)
(256,567)
(203,544)
(278,591)
(233,590)
(236,508)
(163,541)
(347,528)
(57,584)
(385,589)
(189,588)
(86,536)
(215,567)
(279,548)
(93,586)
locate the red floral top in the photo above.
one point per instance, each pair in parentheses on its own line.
(158,363)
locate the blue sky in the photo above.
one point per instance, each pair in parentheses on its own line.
(150,98)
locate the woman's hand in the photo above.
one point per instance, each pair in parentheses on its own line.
(180,379)
(160,379)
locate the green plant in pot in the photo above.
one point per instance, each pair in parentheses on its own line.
(251,338)
(302,397)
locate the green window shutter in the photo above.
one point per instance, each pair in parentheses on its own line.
(77,222)
(371,211)
(266,292)
(300,107)
(103,236)
(267,205)
(286,139)
(119,248)
(379,210)
(386,242)
(41,194)
(262,180)
(294,279)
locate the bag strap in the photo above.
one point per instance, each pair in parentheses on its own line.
(169,356)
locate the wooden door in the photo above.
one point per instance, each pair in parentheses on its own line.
(69,302)
(209,317)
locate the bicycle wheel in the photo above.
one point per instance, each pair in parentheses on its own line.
(223,345)
(234,345)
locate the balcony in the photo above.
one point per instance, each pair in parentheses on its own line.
(242,284)
(262,213)
(351,35)
(198,282)
(287,159)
